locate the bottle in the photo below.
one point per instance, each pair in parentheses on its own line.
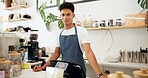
(110,22)
(89,21)
(84,21)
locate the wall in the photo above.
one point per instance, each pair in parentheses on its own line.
(123,39)
(129,39)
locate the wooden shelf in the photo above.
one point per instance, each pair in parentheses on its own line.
(21,19)
(115,27)
(16,7)
(16,32)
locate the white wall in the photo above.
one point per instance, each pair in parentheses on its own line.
(123,39)
(129,39)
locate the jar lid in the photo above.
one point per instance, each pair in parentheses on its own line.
(143,73)
(118,74)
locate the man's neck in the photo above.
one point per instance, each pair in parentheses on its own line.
(69,26)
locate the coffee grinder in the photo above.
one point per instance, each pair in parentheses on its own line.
(33,46)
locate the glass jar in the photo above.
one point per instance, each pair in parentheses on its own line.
(14,56)
(102,23)
(16,61)
(95,24)
(84,21)
(118,22)
(16,70)
(110,22)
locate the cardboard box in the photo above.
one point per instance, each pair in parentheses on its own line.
(136,20)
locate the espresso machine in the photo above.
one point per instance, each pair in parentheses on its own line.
(33,46)
(8,42)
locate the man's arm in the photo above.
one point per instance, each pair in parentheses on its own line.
(92,59)
(54,56)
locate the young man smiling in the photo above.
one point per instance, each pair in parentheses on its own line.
(72,42)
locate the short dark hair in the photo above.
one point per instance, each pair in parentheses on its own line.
(67,5)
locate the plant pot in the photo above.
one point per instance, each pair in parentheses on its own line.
(8,3)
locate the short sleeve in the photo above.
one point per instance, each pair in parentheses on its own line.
(84,36)
(58,42)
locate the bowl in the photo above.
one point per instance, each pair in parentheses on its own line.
(113,58)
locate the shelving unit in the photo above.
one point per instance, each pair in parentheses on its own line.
(115,27)
(17,19)
(16,32)
(21,19)
(16,7)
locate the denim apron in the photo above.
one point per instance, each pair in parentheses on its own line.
(70,49)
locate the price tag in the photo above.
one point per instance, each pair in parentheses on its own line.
(61,65)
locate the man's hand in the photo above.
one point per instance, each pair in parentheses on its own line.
(103,76)
(37,68)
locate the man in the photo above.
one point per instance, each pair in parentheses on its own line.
(72,42)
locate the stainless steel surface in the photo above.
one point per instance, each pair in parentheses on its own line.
(130,56)
(134,57)
(6,40)
(137,57)
(122,56)
(144,57)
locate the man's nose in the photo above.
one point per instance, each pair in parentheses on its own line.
(65,17)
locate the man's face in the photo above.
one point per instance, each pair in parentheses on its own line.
(67,16)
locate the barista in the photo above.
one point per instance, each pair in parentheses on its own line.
(71,41)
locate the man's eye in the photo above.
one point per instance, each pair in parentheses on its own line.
(68,14)
(63,15)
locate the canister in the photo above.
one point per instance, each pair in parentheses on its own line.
(137,57)
(142,73)
(95,24)
(102,23)
(130,56)
(122,54)
(118,74)
(118,22)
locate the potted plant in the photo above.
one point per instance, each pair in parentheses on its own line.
(2,1)
(143,4)
(50,18)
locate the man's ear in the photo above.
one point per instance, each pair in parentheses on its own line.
(73,15)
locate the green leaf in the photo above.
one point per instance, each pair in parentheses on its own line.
(50,1)
(60,24)
(143,3)
(48,19)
